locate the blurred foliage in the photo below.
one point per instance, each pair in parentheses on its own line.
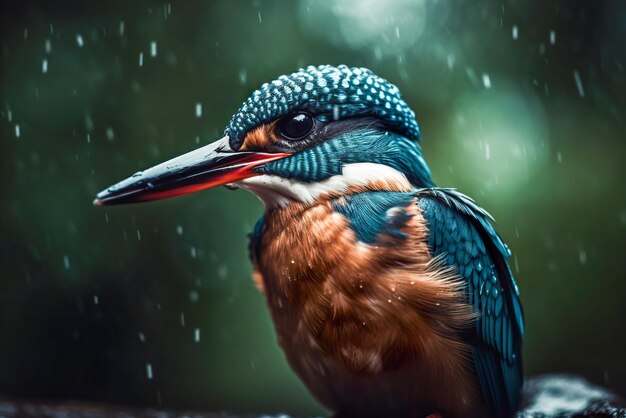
(521,103)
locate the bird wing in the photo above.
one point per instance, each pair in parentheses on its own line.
(462,236)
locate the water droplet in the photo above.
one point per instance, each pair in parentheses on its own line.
(198,109)
(96,301)
(579,84)
(486,82)
(179,230)
(149,371)
(79,40)
(66,262)
(142,337)
(196,335)
(153,49)
(194,296)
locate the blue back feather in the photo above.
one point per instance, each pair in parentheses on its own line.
(460,233)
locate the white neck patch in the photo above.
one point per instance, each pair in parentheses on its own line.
(275,191)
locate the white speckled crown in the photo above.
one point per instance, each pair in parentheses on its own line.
(328,93)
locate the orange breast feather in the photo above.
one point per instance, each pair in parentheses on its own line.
(354,318)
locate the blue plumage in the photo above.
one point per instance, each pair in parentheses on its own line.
(329,93)
(367,145)
(461,234)
(368,213)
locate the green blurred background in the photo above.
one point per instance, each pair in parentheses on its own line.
(521,103)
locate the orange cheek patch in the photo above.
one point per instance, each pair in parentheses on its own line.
(260,138)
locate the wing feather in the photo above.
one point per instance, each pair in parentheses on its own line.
(462,234)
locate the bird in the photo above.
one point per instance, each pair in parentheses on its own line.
(390,296)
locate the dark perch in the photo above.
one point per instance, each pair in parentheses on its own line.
(546,396)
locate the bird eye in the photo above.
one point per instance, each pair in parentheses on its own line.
(296,125)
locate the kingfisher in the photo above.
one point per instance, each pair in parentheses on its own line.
(390,297)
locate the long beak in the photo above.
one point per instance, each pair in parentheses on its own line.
(212,165)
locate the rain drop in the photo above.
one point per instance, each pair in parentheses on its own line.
(153,49)
(149,371)
(198,109)
(44,66)
(196,335)
(79,40)
(17,131)
(514,32)
(486,81)
(579,84)
(66,262)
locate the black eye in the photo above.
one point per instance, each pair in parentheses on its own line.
(296,125)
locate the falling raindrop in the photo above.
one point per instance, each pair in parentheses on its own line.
(96,301)
(582,256)
(66,262)
(141,59)
(121,28)
(196,335)
(110,134)
(153,49)
(142,337)
(552,37)
(79,40)
(194,296)
(182,319)
(579,84)
(179,230)
(17,131)
(44,66)
(515,32)
(149,371)
(486,81)
(48,46)
(198,109)
(194,253)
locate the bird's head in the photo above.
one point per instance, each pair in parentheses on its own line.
(321,131)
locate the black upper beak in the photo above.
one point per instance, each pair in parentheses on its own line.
(212,165)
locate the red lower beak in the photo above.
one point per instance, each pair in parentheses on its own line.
(213,165)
